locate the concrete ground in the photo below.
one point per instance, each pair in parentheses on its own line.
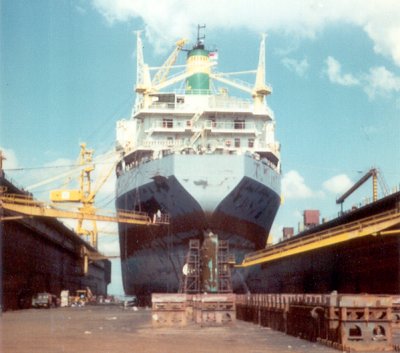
(112,329)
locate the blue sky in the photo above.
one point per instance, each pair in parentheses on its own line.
(68,74)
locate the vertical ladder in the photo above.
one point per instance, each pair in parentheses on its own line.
(191,280)
(224,267)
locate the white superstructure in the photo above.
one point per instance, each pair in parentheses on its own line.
(199,120)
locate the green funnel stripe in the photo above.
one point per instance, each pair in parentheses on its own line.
(198,83)
(199,52)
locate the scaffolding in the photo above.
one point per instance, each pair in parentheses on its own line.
(191,283)
(191,272)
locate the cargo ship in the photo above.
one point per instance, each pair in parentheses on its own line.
(206,158)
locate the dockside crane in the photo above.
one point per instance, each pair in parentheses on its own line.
(84,195)
(381,223)
(372,173)
(26,206)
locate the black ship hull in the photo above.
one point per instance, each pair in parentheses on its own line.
(152,258)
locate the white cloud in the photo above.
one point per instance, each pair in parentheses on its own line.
(381,82)
(334,71)
(169,20)
(294,187)
(297,66)
(383,27)
(338,184)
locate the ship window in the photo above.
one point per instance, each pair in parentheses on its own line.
(251,143)
(239,124)
(237,142)
(170,141)
(168,123)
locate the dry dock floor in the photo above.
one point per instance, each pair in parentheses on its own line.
(112,329)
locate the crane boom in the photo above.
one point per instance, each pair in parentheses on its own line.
(234,83)
(84,195)
(145,86)
(163,72)
(371,173)
(54,178)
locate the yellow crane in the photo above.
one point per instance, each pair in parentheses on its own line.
(84,195)
(145,86)
(372,173)
(381,223)
(26,205)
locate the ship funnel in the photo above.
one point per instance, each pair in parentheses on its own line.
(198,66)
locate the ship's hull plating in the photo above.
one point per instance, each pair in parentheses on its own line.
(236,197)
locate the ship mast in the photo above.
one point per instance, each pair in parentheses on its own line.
(144,84)
(143,81)
(197,74)
(260,88)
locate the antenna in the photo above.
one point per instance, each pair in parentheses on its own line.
(200,38)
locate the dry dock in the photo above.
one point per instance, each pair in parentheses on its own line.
(40,254)
(111,329)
